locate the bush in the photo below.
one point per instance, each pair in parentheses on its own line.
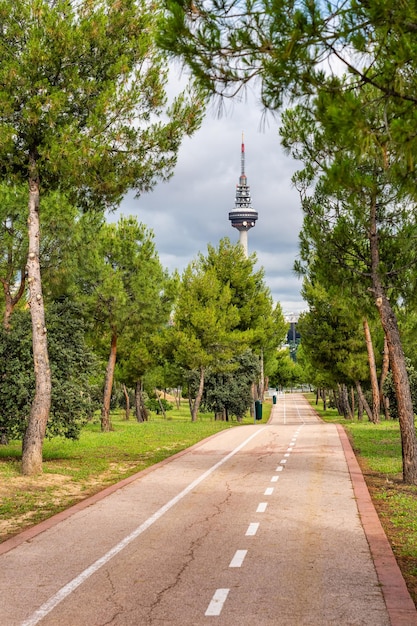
(71,362)
(153,404)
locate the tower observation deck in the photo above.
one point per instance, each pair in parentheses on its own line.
(243,216)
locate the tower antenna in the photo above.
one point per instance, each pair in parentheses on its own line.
(242,157)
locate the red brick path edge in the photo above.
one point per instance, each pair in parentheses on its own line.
(401,608)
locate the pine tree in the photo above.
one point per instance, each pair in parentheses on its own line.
(82,100)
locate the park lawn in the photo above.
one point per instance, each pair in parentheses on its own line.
(74,470)
(378,450)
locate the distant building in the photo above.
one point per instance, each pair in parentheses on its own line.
(293,336)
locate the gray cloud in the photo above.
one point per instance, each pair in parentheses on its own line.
(191,210)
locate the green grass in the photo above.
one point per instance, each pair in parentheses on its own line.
(378,448)
(72,470)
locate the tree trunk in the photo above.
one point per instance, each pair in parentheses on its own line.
(347,410)
(108,386)
(338,399)
(343,402)
(197,401)
(140,408)
(360,409)
(372,373)
(364,402)
(39,412)
(324,396)
(127,401)
(384,372)
(402,391)
(161,406)
(397,361)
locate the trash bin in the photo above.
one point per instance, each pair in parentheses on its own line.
(258,409)
(274,399)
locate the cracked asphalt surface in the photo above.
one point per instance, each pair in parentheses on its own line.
(158,550)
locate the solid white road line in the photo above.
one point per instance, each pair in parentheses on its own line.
(216,604)
(252,529)
(65,591)
(238,558)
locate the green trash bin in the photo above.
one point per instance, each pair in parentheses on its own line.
(274,399)
(258,409)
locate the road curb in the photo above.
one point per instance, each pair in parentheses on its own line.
(400,606)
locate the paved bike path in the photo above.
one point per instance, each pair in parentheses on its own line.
(187,542)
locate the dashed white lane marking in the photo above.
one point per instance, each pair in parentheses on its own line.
(262,507)
(238,558)
(252,529)
(274,479)
(287,454)
(217,601)
(65,591)
(279,468)
(269,491)
(283,461)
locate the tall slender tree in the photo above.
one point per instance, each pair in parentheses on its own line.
(125,293)
(360,220)
(260,318)
(83,109)
(204,326)
(223,309)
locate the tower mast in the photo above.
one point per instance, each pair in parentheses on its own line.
(243,216)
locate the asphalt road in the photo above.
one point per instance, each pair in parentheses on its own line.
(257,525)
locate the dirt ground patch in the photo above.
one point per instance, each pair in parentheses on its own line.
(48,494)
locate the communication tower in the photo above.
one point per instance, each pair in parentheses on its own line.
(243,216)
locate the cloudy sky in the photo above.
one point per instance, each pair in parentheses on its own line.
(191,210)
